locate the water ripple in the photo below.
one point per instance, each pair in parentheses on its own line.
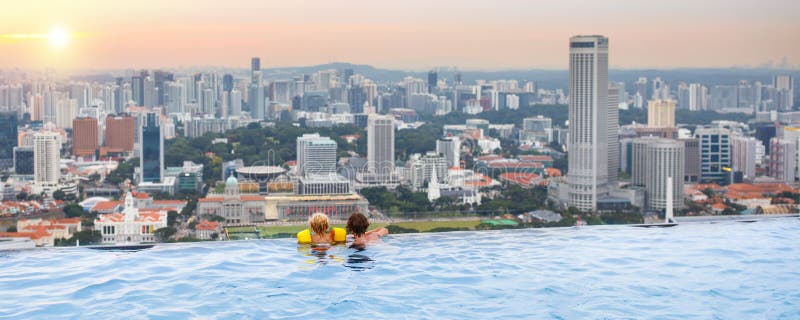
(694,271)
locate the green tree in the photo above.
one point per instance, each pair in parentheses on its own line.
(73,210)
(163,234)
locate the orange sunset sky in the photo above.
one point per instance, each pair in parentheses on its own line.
(409,34)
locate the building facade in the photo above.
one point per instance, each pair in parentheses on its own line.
(46,160)
(661,113)
(315,155)
(655,161)
(151,157)
(132,225)
(380,146)
(588,119)
(119,134)
(85,140)
(715,154)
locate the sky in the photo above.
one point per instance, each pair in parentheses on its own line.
(407,35)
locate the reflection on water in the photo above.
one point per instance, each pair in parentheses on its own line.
(332,254)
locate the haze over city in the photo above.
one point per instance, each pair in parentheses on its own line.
(411,35)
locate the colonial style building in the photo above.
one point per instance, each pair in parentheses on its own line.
(133,225)
(237,209)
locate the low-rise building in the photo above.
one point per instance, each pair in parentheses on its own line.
(132,225)
(205,230)
(236,208)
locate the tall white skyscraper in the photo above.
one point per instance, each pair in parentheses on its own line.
(46,157)
(614,93)
(588,121)
(236,103)
(380,145)
(315,155)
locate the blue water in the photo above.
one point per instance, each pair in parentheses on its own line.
(693,271)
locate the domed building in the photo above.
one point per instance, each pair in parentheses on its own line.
(236,208)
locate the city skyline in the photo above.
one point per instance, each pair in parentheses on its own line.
(415,35)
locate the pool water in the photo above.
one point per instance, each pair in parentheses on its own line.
(725,270)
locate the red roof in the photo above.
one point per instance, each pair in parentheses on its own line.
(507,165)
(141,195)
(521,178)
(106,206)
(31,235)
(207,225)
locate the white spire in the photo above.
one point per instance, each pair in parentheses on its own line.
(433,187)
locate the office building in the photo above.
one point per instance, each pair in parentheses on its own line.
(744,155)
(23,160)
(783,159)
(661,113)
(380,146)
(119,134)
(315,155)
(151,156)
(85,137)
(715,155)
(691,164)
(46,160)
(450,149)
(784,87)
(655,161)
(614,93)
(588,118)
(236,103)
(433,79)
(537,129)
(8,138)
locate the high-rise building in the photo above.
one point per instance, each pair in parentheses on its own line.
(698,94)
(433,79)
(588,121)
(255,64)
(782,159)
(614,93)
(315,155)
(227,82)
(744,152)
(162,78)
(539,128)
(8,138)
(46,159)
(119,133)
(23,160)
(236,103)
(450,148)
(655,161)
(661,113)
(85,137)
(715,155)
(380,146)
(151,157)
(691,163)
(784,85)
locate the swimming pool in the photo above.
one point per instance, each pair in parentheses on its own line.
(693,271)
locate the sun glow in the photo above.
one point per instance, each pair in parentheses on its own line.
(58,37)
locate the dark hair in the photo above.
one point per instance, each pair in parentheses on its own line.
(357,224)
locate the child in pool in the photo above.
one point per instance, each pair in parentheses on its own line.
(319,226)
(357,225)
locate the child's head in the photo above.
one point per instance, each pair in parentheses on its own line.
(357,224)
(318,223)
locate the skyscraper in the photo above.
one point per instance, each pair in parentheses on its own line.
(782,159)
(744,153)
(151,158)
(661,113)
(450,148)
(654,161)
(614,93)
(8,138)
(588,121)
(715,155)
(46,158)
(315,155)
(380,146)
(85,139)
(236,103)
(119,133)
(784,85)
(433,79)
